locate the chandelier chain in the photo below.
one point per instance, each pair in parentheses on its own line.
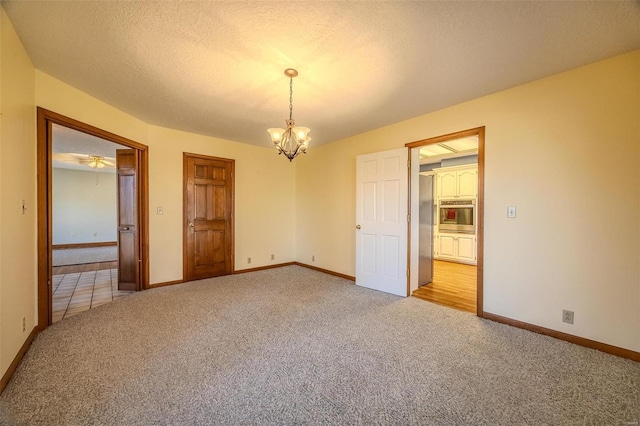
(290,98)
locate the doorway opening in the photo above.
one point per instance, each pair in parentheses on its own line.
(92,217)
(85,258)
(447,228)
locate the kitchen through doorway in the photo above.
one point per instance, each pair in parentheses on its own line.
(446,226)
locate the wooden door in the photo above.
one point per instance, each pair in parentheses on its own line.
(381,221)
(128,223)
(208,216)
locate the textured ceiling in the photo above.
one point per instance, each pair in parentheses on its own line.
(216,68)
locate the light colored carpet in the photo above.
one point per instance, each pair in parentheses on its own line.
(295,346)
(84,255)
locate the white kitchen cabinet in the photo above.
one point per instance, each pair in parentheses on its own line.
(466,248)
(457,182)
(447,183)
(467,183)
(456,248)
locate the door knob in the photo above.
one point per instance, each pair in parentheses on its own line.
(191,225)
(358,226)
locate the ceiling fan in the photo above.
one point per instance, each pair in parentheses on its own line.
(93,161)
(96,162)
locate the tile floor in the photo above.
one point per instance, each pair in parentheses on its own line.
(80,291)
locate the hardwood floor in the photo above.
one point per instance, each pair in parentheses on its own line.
(86,267)
(454,285)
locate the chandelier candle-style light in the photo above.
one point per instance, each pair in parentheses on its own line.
(293,140)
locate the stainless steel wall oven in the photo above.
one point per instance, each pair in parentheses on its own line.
(458,216)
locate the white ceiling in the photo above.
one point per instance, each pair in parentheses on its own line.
(216,68)
(453,148)
(71,147)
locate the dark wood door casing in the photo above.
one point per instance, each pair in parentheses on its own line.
(45,119)
(128,236)
(208,216)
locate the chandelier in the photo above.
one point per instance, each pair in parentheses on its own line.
(292,140)
(96,162)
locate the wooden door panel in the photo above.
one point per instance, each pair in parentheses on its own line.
(200,171)
(128,239)
(201,253)
(127,258)
(209,248)
(127,200)
(219,208)
(208,217)
(201,203)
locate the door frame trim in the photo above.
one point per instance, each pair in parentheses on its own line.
(45,119)
(477,131)
(185,157)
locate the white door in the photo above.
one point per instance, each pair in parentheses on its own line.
(381,221)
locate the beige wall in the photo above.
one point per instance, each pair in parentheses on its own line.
(258,171)
(84,206)
(264,217)
(18,274)
(59,97)
(566,151)
(264,200)
(571,140)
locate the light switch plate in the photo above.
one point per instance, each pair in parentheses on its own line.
(160,210)
(511,212)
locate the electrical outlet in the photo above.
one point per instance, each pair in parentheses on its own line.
(567,316)
(273,257)
(24,324)
(248,260)
(313,258)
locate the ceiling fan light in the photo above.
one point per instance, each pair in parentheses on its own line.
(96,162)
